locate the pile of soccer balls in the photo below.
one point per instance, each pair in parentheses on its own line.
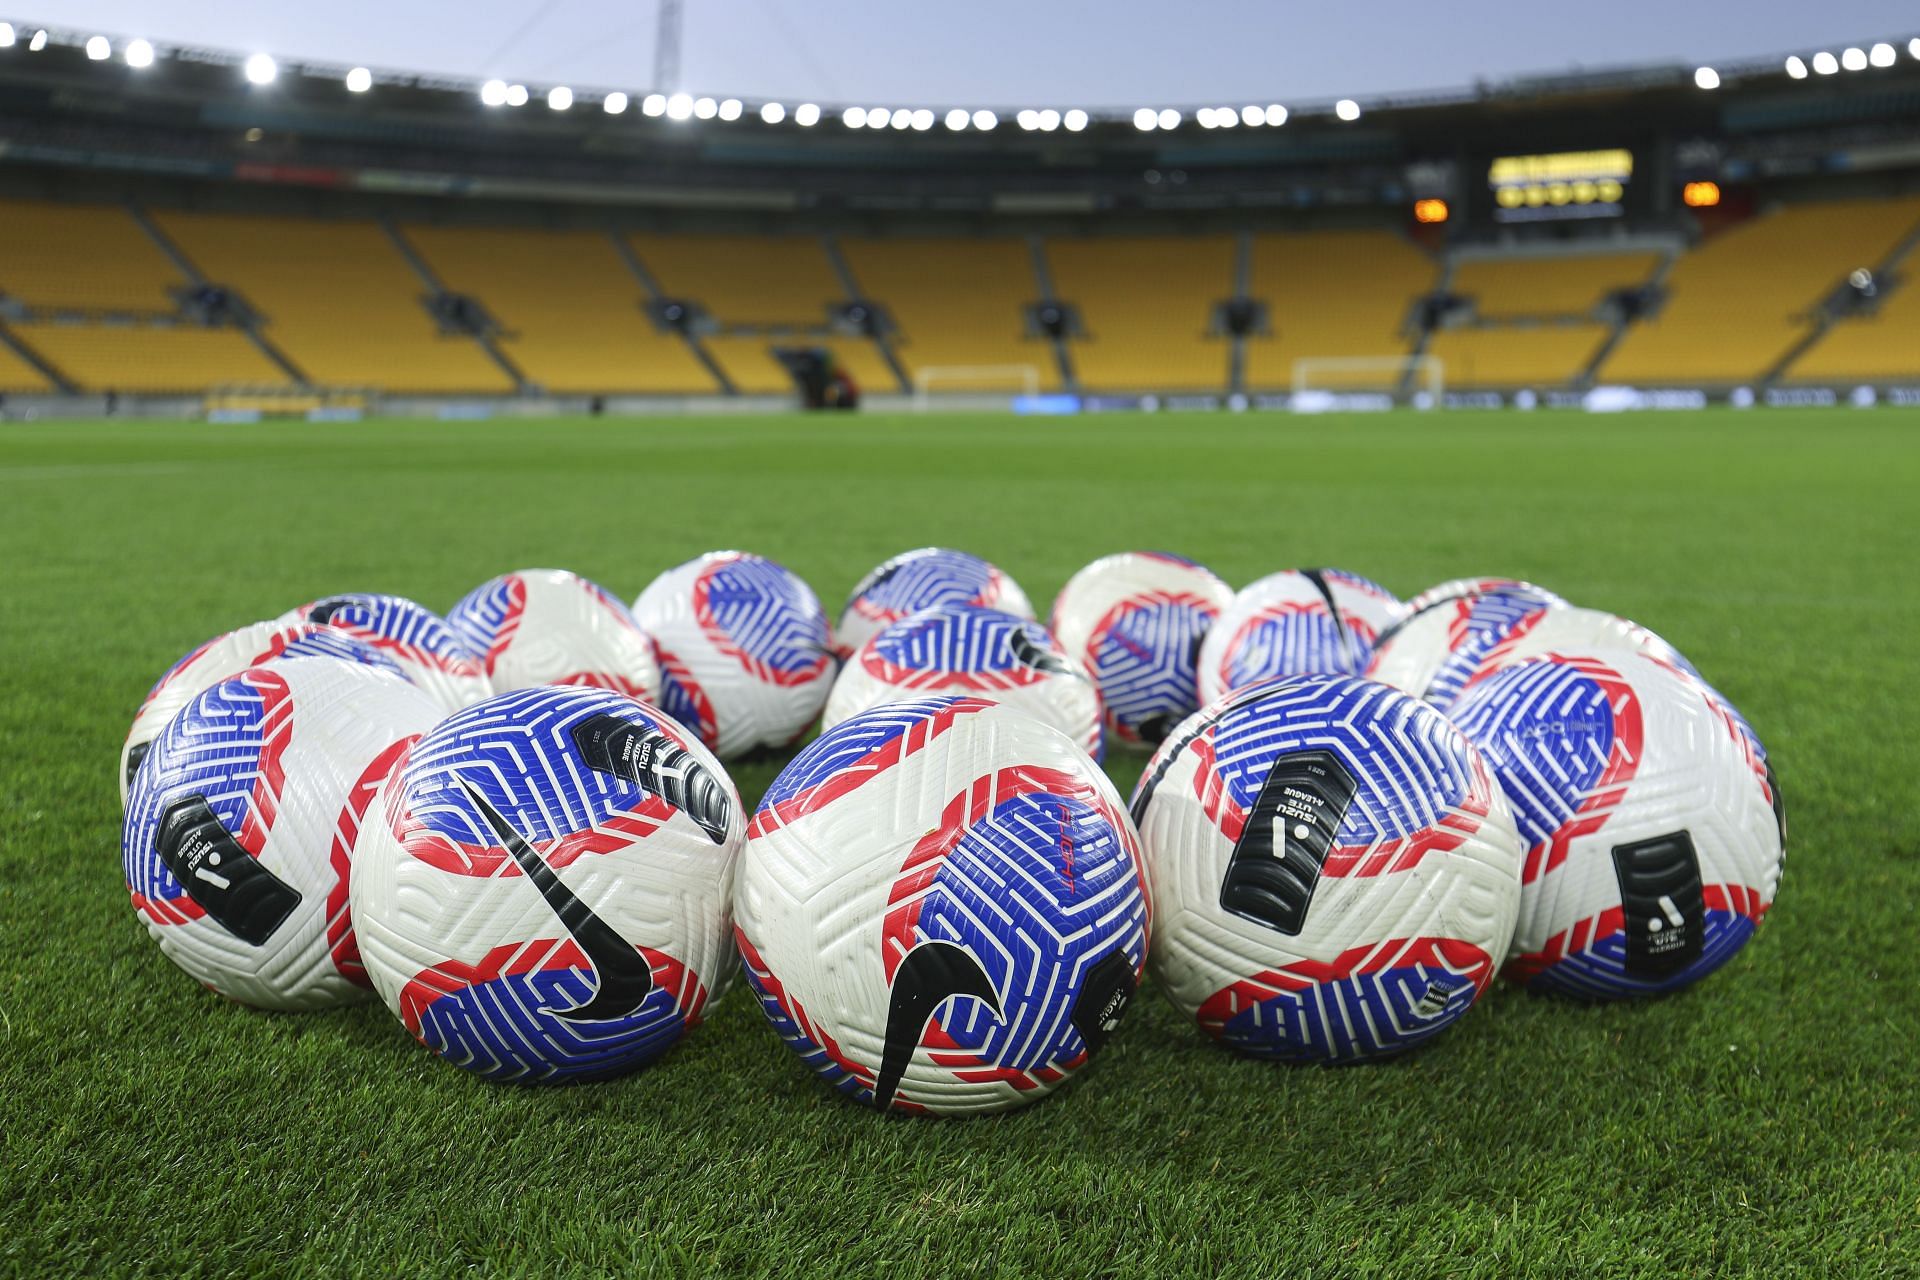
(513,823)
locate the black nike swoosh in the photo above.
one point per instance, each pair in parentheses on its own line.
(929,975)
(626,979)
(1030,654)
(1348,641)
(323,611)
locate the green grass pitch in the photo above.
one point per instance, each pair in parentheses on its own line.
(1763,1122)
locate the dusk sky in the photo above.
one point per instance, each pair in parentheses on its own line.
(1120,53)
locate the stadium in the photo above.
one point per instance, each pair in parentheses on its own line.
(275,324)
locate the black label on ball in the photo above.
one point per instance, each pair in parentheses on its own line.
(1276,862)
(657,764)
(1103,1000)
(1663,904)
(238,894)
(138,752)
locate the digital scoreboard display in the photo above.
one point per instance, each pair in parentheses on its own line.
(1560,185)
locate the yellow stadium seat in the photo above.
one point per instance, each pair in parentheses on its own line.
(1549,356)
(173,361)
(17,375)
(1884,345)
(957,303)
(1332,294)
(1145,302)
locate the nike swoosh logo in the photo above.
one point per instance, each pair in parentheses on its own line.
(323,611)
(929,975)
(626,979)
(1029,654)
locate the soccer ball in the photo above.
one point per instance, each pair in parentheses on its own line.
(1335,873)
(964,650)
(1135,621)
(746,659)
(1297,622)
(240,824)
(229,655)
(543,892)
(548,626)
(419,640)
(1653,823)
(941,907)
(916,580)
(1432,651)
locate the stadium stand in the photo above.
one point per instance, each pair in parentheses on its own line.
(338,298)
(162,361)
(573,315)
(1882,344)
(1546,356)
(1145,303)
(777,288)
(1534,285)
(957,302)
(1738,302)
(1332,293)
(17,375)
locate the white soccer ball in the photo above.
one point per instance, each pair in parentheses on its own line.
(416,638)
(548,626)
(1456,588)
(959,649)
(241,823)
(1654,827)
(229,655)
(746,658)
(543,892)
(1135,621)
(922,579)
(941,907)
(1296,622)
(1335,873)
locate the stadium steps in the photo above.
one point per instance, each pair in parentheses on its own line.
(186,266)
(1043,281)
(645,278)
(572,319)
(338,298)
(1146,303)
(1882,344)
(1332,294)
(1740,302)
(850,283)
(1242,289)
(24,369)
(1421,338)
(1657,281)
(437,288)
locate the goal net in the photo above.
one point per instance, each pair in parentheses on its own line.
(1381,374)
(1024,378)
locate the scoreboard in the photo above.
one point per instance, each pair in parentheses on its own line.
(1560,185)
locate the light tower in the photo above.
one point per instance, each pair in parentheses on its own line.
(666,48)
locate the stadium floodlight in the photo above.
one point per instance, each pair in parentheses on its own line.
(38,42)
(730,109)
(559,98)
(1854,58)
(1204,117)
(1881,55)
(806,115)
(516,95)
(957,119)
(1252,116)
(1706,78)
(99,49)
(772,113)
(1825,64)
(1168,118)
(922,120)
(494,93)
(705,108)
(1797,67)
(1145,120)
(262,69)
(852,117)
(1049,120)
(878,117)
(359,80)
(680,107)
(1913,47)
(614,103)
(1347,109)
(1276,115)
(902,118)
(1225,117)
(6,35)
(1027,118)
(1075,120)
(985,121)
(654,104)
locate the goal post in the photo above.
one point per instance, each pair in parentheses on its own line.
(973,377)
(1427,373)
